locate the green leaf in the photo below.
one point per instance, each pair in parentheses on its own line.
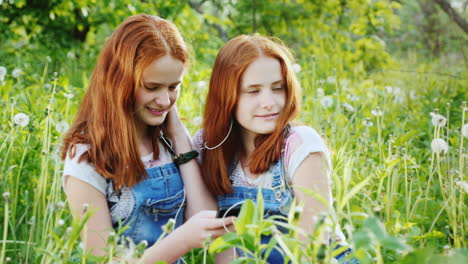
(245,217)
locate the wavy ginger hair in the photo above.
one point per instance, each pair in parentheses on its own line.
(105,120)
(223,94)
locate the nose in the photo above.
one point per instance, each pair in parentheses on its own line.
(163,99)
(267,100)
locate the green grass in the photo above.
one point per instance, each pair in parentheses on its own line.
(396,199)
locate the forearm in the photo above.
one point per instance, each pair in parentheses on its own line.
(198,196)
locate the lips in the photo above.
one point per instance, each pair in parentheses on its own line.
(268,116)
(155,111)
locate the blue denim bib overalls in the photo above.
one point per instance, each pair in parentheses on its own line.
(277,201)
(156,199)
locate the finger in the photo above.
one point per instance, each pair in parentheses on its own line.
(207,214)
(217,232)
(220,222)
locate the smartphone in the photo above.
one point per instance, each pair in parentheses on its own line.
(232,212)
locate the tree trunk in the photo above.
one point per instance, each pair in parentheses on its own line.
(461,22)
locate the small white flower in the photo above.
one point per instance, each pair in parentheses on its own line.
(296,68)
(463,185)
(367,122)
(321,82)
(6,195)
(352,97)
(68,95)
(3,72)
(197,120)
(320,92)
(377,112)
(464,130)
(331,79)
(7,259)
(201,84)
(439,145)
(438,120)
(60,205)
(48,86)
(17,72)
(49,59)
(62,127)
(21,119)
(69,230)
(392,90)
(60,222)
(327,101)
(71,55)
(348,107)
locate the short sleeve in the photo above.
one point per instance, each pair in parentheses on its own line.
(301,142)
(83,170)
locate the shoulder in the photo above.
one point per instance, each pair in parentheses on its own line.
(302,141)
(82,169)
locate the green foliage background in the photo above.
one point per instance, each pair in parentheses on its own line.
(396,199)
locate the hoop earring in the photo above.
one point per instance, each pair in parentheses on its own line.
(217,146)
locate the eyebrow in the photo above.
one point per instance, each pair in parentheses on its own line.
(259,85)
(160,84)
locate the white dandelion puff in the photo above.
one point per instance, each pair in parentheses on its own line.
(296,68)
(68,95)
(377,112)
(367,122)
(463,185)
(348,107)
(331,79)
(7,259)
(3,73)
(16,72)
(320,92)
(48,86)
(327,101)
(352,97)
(464,130)
(60,222)
(439,145)
(438,120)
(71,55)
(197,120)
(62,127)
(201,84)
(392,90)
(21,119)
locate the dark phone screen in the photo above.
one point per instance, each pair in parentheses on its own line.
(233,212)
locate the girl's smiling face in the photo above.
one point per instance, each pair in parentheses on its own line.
(159,91)
(262,97)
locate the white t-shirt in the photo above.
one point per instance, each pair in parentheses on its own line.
(301,141)
(87,173)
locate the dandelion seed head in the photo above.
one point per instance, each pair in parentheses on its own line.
(201,84)
(352,97)
(367,122)
(463,185)
(167,228)
(377,112)
(439,145)
(296,68)
(71,55)
(69,230)
(464,130)
(327,101)
(348,107)
(331,79)
(62,127)
(3,72)
(197,120)
(438,120)
(16,72)
(21,119)
(68,95)
(320,92)
(60,222)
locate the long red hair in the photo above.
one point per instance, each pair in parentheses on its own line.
(105,120)
(231,62)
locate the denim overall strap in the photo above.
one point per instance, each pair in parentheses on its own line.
(158,198)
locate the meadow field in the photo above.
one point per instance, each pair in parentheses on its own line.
(396,122)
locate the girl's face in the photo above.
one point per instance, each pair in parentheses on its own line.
(262,97)
(159,92)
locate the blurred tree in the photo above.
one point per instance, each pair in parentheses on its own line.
(461,22)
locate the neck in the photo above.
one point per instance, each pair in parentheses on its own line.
(143,139)
(248,142)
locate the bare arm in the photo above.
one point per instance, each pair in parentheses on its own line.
(311,174)
(183,239)
(198,196)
